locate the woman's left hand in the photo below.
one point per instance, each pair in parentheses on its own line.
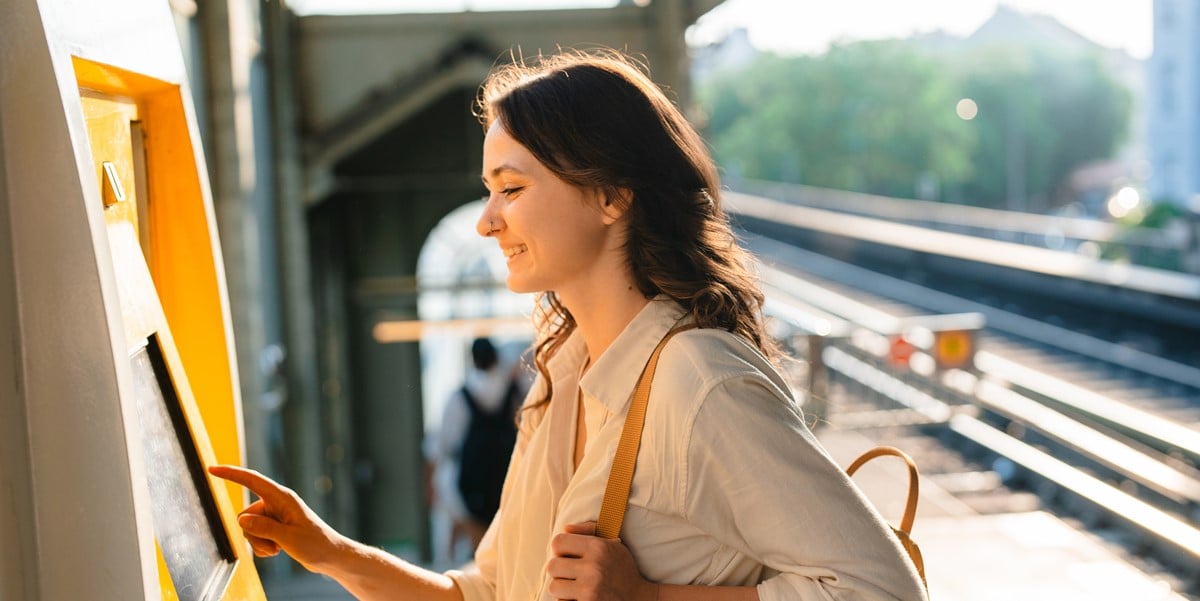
(588,568)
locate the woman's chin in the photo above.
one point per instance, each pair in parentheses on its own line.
(519,286)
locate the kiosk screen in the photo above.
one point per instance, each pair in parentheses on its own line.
(194,545)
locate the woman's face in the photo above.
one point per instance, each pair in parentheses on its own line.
(554,234)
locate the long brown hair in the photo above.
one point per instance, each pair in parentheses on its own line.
(597,120)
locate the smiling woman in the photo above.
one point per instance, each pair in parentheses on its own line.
(606,203)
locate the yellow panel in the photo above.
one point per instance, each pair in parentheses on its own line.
(187,275)
(114,80)
(183,252)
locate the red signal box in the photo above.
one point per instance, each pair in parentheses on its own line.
(900,351)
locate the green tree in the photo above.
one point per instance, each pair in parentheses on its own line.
(878,116)
(1042,113)
(871,116)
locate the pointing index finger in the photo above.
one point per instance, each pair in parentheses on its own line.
(267,489)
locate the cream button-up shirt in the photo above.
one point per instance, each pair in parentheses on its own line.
(730,486)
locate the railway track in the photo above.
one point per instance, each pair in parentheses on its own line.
(1096,431)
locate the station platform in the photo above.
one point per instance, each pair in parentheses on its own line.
(969,556)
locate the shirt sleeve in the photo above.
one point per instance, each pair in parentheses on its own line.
(758,480)
(471,584)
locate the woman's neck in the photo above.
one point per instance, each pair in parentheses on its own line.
(601,318)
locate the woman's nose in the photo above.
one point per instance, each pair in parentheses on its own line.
(486,226)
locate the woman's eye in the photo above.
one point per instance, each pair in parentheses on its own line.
(511,191)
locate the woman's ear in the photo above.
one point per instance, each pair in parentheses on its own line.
(614,202)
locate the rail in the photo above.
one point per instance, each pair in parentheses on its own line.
(993,387)
(1168,481)
(1013,226)
(1166,436)
(997,319)
(971,248)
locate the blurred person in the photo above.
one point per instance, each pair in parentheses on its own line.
(471,450)
(606,202)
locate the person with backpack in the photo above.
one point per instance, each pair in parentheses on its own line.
(607,205)
(472,448)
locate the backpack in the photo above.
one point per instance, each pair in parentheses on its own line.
(485,454)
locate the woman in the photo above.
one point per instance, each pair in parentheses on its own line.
(605,200)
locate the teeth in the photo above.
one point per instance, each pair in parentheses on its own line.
(515,250)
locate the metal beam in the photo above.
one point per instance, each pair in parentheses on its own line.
(370,122)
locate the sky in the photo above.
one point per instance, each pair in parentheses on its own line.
(809,26)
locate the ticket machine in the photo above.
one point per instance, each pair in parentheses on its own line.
(117,384)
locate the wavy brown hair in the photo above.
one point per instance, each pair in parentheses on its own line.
(597,120)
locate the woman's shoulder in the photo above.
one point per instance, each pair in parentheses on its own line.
(711,384)
(696,361)
(714,348)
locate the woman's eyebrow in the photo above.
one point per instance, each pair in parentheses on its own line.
(501,169)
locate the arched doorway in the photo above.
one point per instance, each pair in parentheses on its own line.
(460,276)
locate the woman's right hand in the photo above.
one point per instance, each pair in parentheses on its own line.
(280,521)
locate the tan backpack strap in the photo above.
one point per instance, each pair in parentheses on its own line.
(620,478)
(910,506)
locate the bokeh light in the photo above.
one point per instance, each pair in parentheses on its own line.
(966,109)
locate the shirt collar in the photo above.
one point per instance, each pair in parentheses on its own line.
(612,378)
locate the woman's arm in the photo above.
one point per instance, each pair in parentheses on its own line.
(281,521)
(371,573)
